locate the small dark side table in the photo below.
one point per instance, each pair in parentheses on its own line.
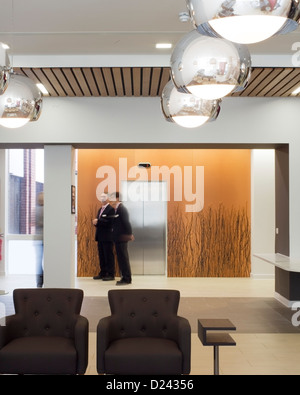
(217,338)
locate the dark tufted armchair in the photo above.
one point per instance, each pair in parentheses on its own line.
(144,335)
(47,335)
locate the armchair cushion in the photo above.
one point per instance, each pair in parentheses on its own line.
(143,355)
(53,355)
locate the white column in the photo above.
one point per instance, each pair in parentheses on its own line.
(294,184)
(59,222)
(262,210)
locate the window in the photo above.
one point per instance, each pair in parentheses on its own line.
(26,182)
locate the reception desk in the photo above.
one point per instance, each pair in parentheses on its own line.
(287,277)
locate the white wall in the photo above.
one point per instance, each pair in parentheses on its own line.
(139,120)
(2,206)
(110,121)
(262,210)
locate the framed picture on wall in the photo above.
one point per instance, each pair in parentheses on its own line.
(73,199)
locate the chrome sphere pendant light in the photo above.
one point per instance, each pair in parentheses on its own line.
(244,21)
(187,110)
(210,68)
(20,99)
(21,102)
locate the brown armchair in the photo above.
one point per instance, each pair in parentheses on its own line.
(46,335)
(144,335)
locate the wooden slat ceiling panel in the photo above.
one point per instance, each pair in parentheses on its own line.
(148,81)
(78,73)
(63,81)
(100,82)
(258,76)
(109,82)
(54,82)
(156,73)
(118,80)
(127,81)
(137,79)
(290,87)
(68,73)
(268,77)
(275,83)
(44,80)
(280,88)
(90,80)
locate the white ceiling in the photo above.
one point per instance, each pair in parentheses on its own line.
(62,33)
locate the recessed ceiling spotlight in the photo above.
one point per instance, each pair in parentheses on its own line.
(5,46)
(42,89)
(163,45)
(184,17)
(296,91)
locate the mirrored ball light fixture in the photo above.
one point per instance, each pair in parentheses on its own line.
(244,21)
(21,102)
(187,110)
(210,68)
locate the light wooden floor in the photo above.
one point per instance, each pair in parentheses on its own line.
(188,287)
(254,354)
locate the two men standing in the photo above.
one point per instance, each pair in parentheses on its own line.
(113,228)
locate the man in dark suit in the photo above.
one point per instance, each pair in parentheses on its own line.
(103,236)
(122,233)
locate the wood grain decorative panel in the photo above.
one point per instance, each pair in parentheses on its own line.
(148,81)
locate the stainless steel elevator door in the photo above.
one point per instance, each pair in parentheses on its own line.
(147,206)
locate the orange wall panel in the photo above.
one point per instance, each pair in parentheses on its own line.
(212,242)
